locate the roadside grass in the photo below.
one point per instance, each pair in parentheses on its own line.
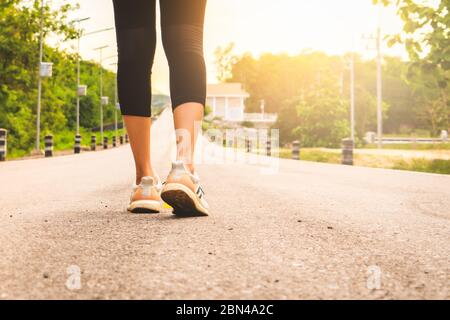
(315,155)
(412,146)
(424,165)
(16,154)
(65,140)
(375,161)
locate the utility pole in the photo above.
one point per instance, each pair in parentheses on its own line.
(352,95)
(78,80)
(116,103)
(80,35)
(100,49)
(349,64)
(379,91)
(80,32)
(41,54)
(378,41)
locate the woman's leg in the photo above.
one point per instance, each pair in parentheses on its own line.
(136,42)
(182,33)
(138,129)
(187,120)
(182,24)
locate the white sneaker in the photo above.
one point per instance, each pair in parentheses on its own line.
(183,193)
(146,197)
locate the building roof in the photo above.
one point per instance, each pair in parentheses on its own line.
(234,89)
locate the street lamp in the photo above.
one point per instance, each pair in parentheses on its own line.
(80,90)
(352,95)
(116,103)
(45,70)
(102,99)
(378,41)
(350,64)
(379,91)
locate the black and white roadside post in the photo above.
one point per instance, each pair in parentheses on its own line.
(121,139)
(3,144)
(105,143)
(268,147)
(77,147)
(251,140)
(296,150)
(347,152)
(116,127)
(126,138)
(93,143)
(48,141)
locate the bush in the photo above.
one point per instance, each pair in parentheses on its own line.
(323,118)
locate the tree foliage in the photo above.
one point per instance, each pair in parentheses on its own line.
(323,118)
(426,37)
(284,81)
(426,30)
(19,60)
(224,61)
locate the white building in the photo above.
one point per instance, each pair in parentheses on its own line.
(227,101)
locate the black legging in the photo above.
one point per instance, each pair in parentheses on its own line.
(182,35)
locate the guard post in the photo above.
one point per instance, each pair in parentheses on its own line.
(77,147)
(347,152)
(296,150)
(48,141)
(3,144)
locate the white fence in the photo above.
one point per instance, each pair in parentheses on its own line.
(260,117)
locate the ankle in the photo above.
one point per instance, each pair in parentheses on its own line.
(190,167)
(148,172)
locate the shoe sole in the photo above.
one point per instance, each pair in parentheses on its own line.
(183,201)
(145,206)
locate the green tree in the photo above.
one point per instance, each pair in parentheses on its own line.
(19,34)
(426,37)
(19,47)
(433,104)
(323,119)
(281,80)
(425,31)
(224,61)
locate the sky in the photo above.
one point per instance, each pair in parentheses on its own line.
(258,26)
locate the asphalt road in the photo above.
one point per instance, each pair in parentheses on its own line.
(307,230)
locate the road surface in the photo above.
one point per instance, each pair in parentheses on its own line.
(309,230)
